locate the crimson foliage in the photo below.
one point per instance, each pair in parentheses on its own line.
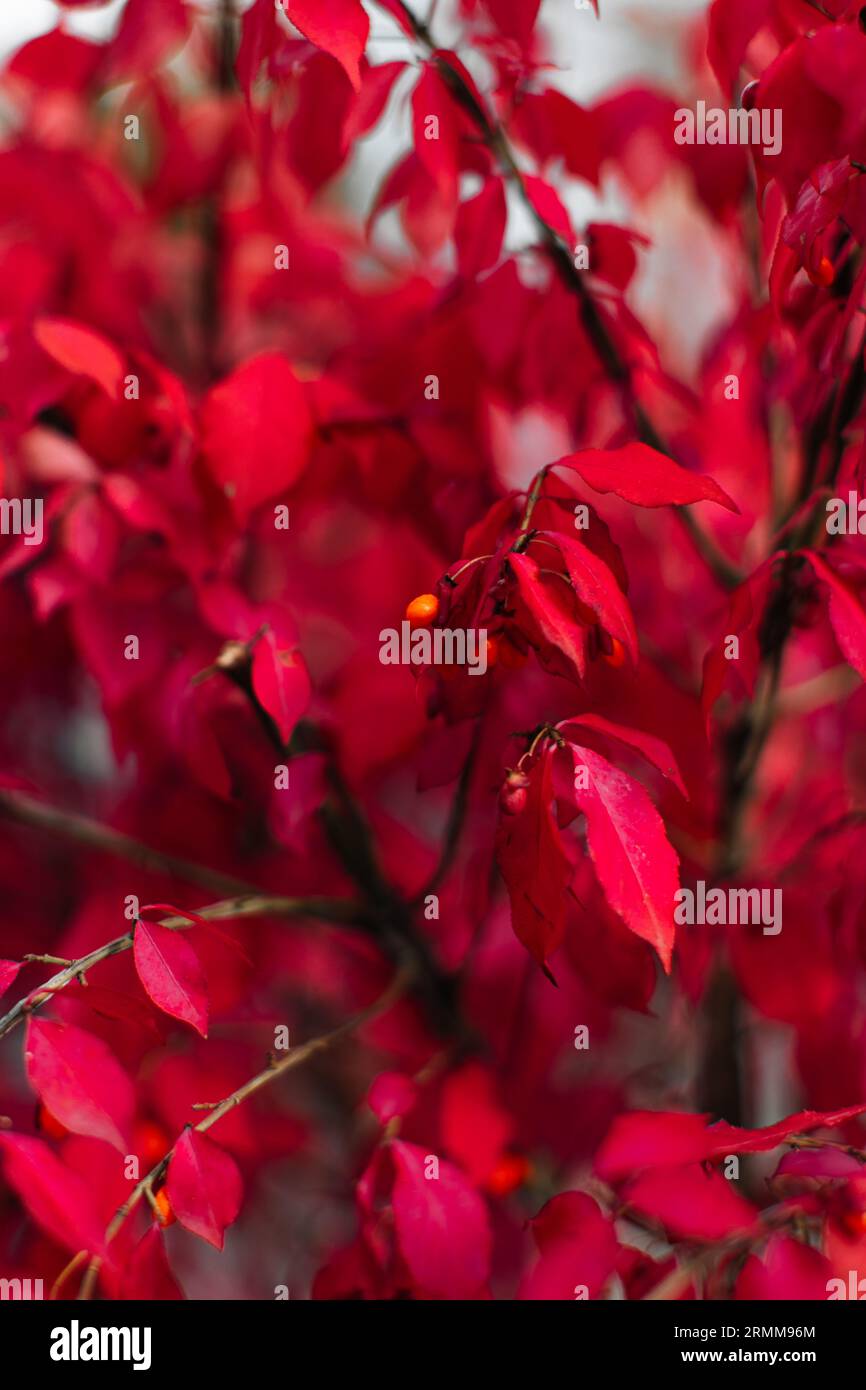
(336,967)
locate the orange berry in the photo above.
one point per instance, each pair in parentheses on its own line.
(824,274)
(423,610)
(616,655)
(164,1213)
(511,1172)
(47,1123)
(492,648)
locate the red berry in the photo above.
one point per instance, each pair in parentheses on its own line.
(512,793)
(747,96)
(152,1143)
(823,275)
(511,1172)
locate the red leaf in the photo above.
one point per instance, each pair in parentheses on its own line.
(171,973)
(551,606)
(80,1081)
(474,1124)
(732,26)
(787,1270)
(204,1187)
(690,1203)
(391,1094)
(150,31)
(655,750)
(645,477)
(549,206)
(441,1225)
(58,1200)
(256,432)
(8,973)
(515,18)
(82,351)
(535,866)
(479,229)
(845,611)
(651,1139)
(435,133)
(634,861)
(578,1247)
(147,1274)
(596,586)
(280,682)
(338,27)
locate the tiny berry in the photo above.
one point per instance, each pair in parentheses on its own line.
(492,649)
(512,793)
(747,96)
(152,1143)
(616,656)
(511,1172)
(853,1223)
(423,610)
(823,275)
(47,1123)
(164,1213)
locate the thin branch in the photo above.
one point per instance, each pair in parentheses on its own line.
(256,905)
(456,818)
(615,367)
(27,810)
(295,1058)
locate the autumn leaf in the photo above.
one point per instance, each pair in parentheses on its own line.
(635,864)
(204,1187)
(171,973)
(535,866)
(643,476)
(80,1081)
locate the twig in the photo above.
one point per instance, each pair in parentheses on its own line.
(27,810)
(615,367)
(295,1058)
(330,909)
